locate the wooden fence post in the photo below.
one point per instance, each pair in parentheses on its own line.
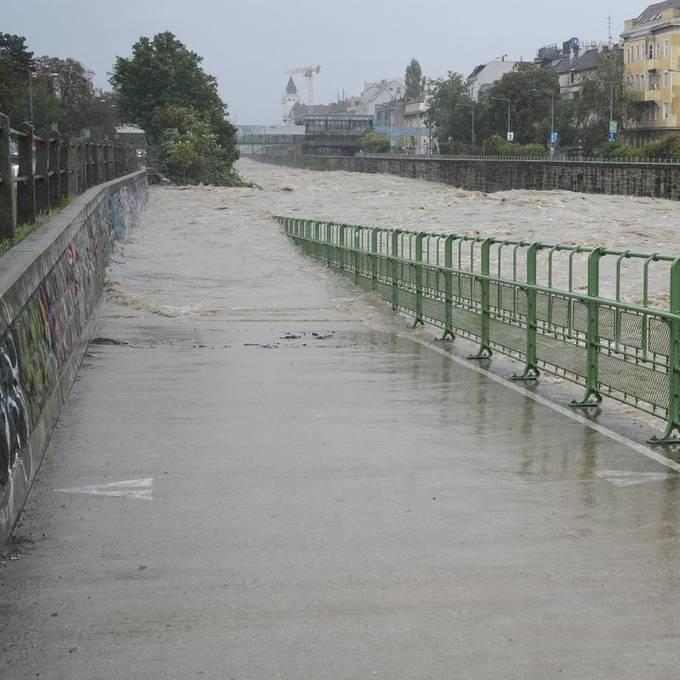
(26,186)
(54,168)
(64,167)
(7,220)
(41,176)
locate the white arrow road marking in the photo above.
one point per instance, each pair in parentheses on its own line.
(623,478)
(141,489)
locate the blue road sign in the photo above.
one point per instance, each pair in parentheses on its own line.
(553,138)
(612,136)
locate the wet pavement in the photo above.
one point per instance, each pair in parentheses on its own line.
(262,474)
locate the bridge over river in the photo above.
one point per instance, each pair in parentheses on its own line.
(262,472)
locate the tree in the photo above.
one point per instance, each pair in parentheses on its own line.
(374,142)
(188,150)
(15,67)
(591,109)
(415,82)
(450,108)
(529,90)
(164,72)
(71,84)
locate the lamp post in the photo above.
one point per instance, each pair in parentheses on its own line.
(31,77)
(552,116)
(473,136)
(505,99)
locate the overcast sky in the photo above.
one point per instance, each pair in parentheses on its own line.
(249,44)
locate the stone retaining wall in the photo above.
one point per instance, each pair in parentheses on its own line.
(633,179)
(49,287)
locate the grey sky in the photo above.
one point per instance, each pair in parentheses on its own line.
(248,45)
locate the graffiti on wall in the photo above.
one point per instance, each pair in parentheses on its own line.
(47,333)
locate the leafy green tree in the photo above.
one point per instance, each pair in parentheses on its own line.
(15,68)
(374,142)
(591,109)
(529,90)
(47,109)
(415,82)
(71,84)
(162,72)
(188,150)
(450,108)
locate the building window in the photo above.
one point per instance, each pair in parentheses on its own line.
(666,80)
(656,50)
(650,51)
(666,48)
(665,110)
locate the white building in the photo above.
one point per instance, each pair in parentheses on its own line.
(290,98)
(381,92)
(485,75)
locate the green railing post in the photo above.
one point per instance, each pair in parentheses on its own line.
(448,288)
(484,351)
(531,371)
(418,268)
(671,434)
(317,240)
(357,253)
(374,257)
(394,268)
(341,251)
(592,396)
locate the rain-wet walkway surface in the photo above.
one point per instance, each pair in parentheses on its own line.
(262,474)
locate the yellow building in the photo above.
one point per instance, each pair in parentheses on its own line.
(651,53)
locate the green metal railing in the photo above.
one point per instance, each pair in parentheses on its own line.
(522,299)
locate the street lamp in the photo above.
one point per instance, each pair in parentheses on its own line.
(552,116)
(473,135)
(31,77)
(505,99)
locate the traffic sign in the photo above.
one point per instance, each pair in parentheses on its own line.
(613,126)
(613,136)
(511,136)
(553,138)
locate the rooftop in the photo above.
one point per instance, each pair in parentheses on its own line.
(654,12)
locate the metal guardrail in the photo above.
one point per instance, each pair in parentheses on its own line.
(534,159)
(490,291)
(51,167)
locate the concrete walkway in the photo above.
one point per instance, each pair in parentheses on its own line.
(311,493)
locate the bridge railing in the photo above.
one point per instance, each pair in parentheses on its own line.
(38,170)
(608,320)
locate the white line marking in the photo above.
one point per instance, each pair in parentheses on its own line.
(623,478)
(140,489)
(569,413)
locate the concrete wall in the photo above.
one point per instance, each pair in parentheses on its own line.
(49,287)
(635,179)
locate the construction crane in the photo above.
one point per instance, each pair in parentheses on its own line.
(308,72)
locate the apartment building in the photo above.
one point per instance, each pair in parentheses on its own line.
(651,52)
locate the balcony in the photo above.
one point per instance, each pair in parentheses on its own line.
(656,64)
(648,95)
(415,108)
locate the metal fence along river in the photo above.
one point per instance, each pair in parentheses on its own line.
(522,299)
